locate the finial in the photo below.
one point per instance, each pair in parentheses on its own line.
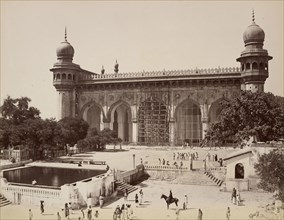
(65,34)
(253,15)
(116,67)
(103,70)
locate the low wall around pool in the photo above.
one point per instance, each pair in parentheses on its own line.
(80,194)
(14,165)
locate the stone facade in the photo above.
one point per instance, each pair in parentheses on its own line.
(160,108)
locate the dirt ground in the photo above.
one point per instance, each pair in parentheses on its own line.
(209,199)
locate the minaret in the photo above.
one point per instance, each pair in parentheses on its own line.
(254,59)
(65,76)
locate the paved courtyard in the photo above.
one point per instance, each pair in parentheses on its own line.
(209,199)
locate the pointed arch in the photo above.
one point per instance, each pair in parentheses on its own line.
(188,122)
(114,106)
(153,123)
(247,66)
(93,113)
(215,109)
(254,66)
(120,118)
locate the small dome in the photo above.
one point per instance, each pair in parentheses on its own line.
(253,34)
(65,51)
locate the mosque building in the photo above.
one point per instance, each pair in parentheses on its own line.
(158,107)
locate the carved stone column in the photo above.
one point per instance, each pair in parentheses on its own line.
(204,118)
(205,126)
(172,132)
(172,120)
(134,124)
(134,131)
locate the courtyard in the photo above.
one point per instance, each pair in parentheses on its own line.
(208,198)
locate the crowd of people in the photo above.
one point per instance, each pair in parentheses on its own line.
(125,210)
(185,156)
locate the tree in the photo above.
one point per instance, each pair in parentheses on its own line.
(5,133)
(270,169)
(97,140)
(18,110)
(250,114)
(73,130)
(21,125)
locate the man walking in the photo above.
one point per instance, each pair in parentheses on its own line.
(125,195)
(30,215)
(228,214)
(141,196)
(185,202)
(200,214)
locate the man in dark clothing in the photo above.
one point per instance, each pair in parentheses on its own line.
(170,196)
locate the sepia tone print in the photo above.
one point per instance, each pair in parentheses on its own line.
(141,110)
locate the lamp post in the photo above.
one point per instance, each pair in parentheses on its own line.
(133,161)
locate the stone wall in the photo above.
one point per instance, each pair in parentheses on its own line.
(131,176)
(13,165)
(240,184)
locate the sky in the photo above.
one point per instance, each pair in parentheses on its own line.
(140,35)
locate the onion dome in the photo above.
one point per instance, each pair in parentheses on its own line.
(253,34)
(65,51)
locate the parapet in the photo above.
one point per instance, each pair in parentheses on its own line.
(164,73)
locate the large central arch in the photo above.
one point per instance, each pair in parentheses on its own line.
(153,124)
(188,122)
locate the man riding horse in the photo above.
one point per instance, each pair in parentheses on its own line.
(170,199)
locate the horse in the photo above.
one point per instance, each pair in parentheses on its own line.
(169,201)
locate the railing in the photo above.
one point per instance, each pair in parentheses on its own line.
(9,190)
(217,168)
(164,73)
(34,186)
(159,167)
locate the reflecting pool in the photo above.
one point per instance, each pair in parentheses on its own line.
(49,176)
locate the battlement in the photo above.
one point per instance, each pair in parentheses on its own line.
(164,73)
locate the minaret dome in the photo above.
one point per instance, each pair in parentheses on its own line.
(65,51)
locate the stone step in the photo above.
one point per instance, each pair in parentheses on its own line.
(214,179)
(122,186)
(4,201)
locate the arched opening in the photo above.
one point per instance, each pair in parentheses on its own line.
(243,67)
(254,66)
(247,66)
(153,125)
(63,76)
(239,171)
(188,123)
(73,77)
(261,66)
(54,76)
(121,122)
(126,127)
(69,77)
(58,76)
(215,111)
(115,124)
(94,117)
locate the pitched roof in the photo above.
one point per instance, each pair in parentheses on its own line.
(238,153)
